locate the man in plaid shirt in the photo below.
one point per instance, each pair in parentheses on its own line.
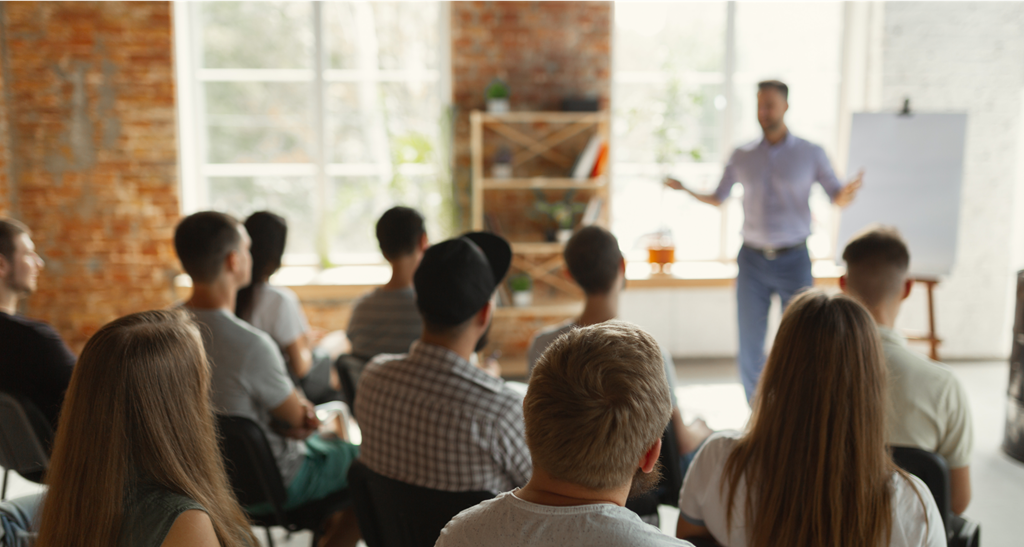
(430,418)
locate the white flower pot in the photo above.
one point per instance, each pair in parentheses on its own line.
(497,106)
(522,299)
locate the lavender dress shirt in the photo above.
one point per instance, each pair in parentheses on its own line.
(777,183)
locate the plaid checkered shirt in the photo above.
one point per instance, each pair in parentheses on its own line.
(432,419)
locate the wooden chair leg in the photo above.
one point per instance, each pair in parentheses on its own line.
(270,538)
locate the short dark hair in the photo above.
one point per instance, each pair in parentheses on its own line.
(399,231)
(593,258)
(877,260)
(203,240)
(776,85)
(10,229)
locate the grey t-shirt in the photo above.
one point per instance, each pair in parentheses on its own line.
(543,338)
(507,521)
(384,322)
(149,514)
(249,379)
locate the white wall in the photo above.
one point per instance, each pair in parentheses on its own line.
(945,57)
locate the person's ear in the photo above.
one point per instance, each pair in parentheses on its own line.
(483,317)
(622,266)
(650,458)
(424,242)
(232,262)
(842,283)
(908,284)
(5,266)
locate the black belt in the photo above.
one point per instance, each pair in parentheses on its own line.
(771,254)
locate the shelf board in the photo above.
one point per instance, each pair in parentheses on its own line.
(566,309)
(544,183)
(537,247)
(550,117)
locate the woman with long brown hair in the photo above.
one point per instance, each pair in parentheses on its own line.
(135,461)
(812,468)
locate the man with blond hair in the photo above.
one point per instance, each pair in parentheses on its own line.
(595,410)
(929,408)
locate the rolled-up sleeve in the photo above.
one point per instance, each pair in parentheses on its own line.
(825,175)
(728,179)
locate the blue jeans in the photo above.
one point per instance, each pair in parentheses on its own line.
(758,279)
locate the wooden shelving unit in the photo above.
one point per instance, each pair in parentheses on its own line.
(543,143)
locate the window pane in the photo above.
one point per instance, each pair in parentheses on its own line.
(661,36)
(412,108)
(259,122)
(256,34)
(290,197)
(349,123)
(385,35)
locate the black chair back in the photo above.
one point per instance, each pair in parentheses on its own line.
(21,448)
(349,369)
(395,514)
(932,469)
(250,463)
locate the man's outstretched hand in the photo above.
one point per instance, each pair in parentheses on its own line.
(674,184)
(849,192)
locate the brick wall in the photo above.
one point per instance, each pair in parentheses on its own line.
(965,56)
(544,51)
(90,112)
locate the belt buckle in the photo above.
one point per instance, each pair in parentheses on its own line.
(770,254)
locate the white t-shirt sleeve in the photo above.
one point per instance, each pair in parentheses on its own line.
(703,475)
(282,315)
(958,441)
(916,518)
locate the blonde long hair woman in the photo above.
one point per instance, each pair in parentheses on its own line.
(812,468)
(136,461)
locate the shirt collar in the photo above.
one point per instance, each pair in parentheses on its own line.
(891,336)
(444,359)
(785,142)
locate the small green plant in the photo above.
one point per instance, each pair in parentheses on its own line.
(562,212)
(520,282)
(497,89)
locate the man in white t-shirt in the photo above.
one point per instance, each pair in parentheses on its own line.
(595,410)
(929,408)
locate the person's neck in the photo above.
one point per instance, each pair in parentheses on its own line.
(599,308)
(543,489)
(885,314)
(463,345)
(775,135)
(219,295)
(402,271)
(8,301)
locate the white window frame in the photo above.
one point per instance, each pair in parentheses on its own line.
(193,167)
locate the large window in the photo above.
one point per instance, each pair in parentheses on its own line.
(327,113)
(684,95)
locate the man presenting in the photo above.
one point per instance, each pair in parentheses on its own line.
(777,172)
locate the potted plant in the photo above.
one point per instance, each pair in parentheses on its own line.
(502,166)
(521,286)
(562,213)
(497,97)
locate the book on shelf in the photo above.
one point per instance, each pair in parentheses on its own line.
(587,159)
(602,161)
(592,211)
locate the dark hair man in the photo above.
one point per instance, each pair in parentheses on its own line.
(929,408)
(386,320)
(430,418)
(777,172)
(598,267)
(34,361)
(595,409)
(249,376)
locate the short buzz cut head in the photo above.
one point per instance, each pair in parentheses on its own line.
(598,400)
(203,240)
(593,258)
(776,85)
(399,231)
(10,230)
(877,260)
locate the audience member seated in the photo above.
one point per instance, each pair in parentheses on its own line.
(386,320)
(34,362)
(812,468)
(595,410)
(928,406)
(249,377)
(136,462)
(430,418)
(598,267)
(277,311)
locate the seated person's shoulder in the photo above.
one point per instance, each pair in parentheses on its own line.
(29,330)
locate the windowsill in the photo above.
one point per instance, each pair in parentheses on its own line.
(352,281)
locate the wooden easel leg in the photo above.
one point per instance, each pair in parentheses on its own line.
(933,340)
